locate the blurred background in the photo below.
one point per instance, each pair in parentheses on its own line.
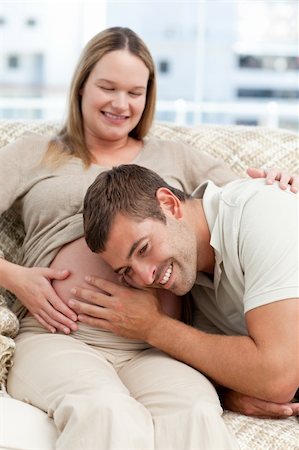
(218,61)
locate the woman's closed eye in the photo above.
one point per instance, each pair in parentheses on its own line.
(107,89)
(135,94)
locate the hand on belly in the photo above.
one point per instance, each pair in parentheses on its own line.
(80,261)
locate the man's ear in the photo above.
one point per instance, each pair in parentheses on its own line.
(169,203)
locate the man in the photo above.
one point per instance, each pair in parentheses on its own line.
(235,248)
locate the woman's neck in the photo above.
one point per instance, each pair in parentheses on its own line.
(109,153)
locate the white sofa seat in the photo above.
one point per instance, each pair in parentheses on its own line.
(25,427)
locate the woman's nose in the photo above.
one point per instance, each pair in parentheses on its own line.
(120,101)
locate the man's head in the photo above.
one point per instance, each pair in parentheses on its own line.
(134,219)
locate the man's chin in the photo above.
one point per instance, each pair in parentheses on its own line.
(179,290)
(183,288)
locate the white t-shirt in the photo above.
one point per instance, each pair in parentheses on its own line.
(254,233)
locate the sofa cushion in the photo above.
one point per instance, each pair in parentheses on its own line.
(267,434)
(11,238)
(239,146)
(7,347)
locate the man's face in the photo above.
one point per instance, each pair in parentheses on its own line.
(153,254)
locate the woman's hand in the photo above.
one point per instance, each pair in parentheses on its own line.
(272,174)
(33,288)
(251,406)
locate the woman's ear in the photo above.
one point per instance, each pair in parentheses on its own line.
(169,202)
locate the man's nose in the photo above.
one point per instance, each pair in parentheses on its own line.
(145,274)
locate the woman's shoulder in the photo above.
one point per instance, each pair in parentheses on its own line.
(32,138)
(24,153)
(27,143)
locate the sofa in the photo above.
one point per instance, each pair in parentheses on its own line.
(22,426)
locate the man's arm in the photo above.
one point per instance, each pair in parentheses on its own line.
(252,406)
(264,364)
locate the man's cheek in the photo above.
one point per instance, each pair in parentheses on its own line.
(130,283)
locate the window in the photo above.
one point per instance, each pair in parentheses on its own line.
(163,66)
(249,122)
(282,94)
(31,22)
(13,61)
(268,62)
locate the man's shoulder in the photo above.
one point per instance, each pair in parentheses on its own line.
(240,192)
(240,188)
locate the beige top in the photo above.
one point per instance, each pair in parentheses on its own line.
(254,233)
(51,201)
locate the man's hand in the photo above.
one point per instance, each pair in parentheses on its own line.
(283,176)
(251,406)
(125,311)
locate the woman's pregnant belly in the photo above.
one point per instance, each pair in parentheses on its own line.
(80,261)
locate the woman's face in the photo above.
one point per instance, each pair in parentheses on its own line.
(114,96)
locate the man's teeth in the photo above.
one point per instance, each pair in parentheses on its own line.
(167,275)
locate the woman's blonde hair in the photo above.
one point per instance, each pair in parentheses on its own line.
(70,139)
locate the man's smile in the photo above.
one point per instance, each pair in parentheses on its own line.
(167,275)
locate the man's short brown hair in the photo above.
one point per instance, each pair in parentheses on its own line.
(128,189)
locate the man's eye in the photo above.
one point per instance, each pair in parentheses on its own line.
(127,271)
(143,249)
(124,281)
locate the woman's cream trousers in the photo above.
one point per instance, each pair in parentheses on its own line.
(109,393)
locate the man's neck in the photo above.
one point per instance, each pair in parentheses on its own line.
(205,253)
